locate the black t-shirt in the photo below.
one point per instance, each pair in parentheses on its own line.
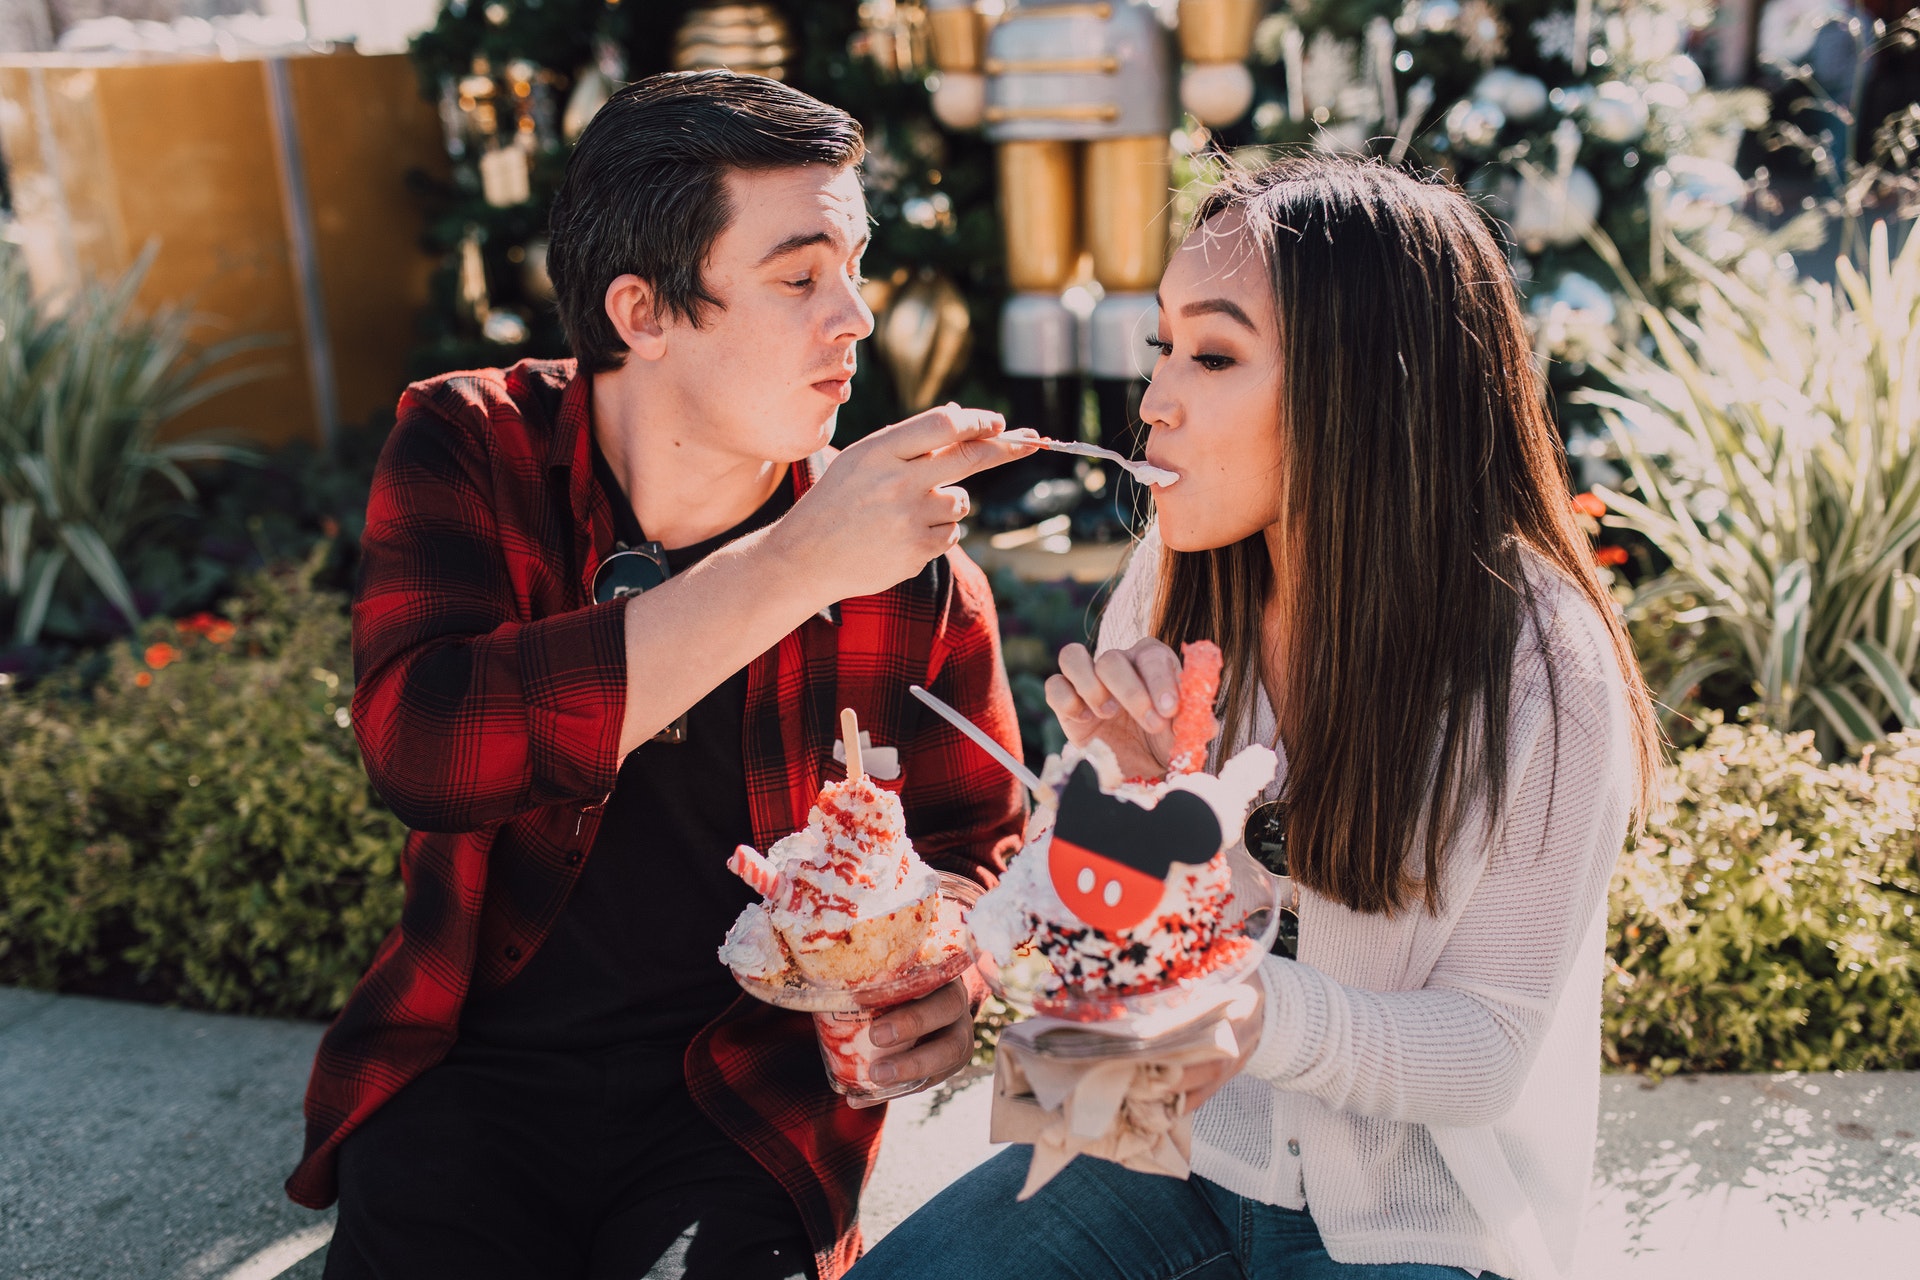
(631,959)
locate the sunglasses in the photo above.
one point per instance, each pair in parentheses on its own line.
(628,572)
(1266,839)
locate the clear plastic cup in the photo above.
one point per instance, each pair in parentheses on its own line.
(843,1016)
(846,1046)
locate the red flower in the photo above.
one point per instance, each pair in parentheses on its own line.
(1589,504)
(159,655)
(220,631)
(1610,556)
(144,679)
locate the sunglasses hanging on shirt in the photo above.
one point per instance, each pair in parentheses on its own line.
(628,571)
(1266,839)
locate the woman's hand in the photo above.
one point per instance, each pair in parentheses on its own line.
(1125,697)
(1202,1081)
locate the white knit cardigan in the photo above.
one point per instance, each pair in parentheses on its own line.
(1428,1086)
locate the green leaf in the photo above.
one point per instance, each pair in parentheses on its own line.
(38,594)
(1677,688)
(1847,714)
(90,551)
(1887,677)
(16,527)
(1787,647)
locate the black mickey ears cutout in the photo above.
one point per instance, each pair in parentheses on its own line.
(1181,828)
(1109,858)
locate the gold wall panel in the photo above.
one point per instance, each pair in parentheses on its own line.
(109,154)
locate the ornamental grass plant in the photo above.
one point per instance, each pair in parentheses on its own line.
(85,389)
(1771,440)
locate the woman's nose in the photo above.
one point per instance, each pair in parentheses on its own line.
(1158,406)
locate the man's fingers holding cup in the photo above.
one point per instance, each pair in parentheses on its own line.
(933,1059)
(905,1023)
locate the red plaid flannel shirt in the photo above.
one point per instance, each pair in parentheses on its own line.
(490,692)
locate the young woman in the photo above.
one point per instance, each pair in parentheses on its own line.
(1373,523)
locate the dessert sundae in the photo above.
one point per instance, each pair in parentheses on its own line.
(851,922)
(847,901)
(1124,886)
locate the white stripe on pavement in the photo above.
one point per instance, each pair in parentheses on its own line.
(280,1257)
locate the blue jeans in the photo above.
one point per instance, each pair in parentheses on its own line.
(1099,1220)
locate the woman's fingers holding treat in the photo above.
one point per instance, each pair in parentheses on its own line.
(1146,680)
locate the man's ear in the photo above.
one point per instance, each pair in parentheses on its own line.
(631,310)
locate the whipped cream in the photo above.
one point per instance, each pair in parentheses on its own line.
(851,862)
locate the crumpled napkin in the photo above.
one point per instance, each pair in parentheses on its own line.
(1122,1107)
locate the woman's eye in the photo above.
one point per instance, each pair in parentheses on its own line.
(1213,364)
(1161,345)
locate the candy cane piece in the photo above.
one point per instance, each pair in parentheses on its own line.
(749,864)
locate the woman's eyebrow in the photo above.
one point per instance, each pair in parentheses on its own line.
(1220,307)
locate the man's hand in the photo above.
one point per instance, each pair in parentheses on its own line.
(934,1035)
(890,503)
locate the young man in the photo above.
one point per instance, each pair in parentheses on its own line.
(609,614)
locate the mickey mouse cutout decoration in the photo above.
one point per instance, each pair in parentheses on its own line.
(1110,857)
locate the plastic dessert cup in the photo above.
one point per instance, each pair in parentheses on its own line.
(1143,1019)
(843,1014)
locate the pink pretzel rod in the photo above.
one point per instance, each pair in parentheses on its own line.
(1193,724)
(748,863)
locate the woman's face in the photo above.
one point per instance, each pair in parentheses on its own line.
(1214,402)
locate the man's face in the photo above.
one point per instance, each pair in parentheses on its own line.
(766,373)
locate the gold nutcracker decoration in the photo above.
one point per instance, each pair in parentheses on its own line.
(741,37)
(1215,38)
(1076,96)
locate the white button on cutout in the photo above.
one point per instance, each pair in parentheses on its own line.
(1085,882)
(1111,895)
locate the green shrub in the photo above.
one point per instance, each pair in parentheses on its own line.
(195,825)
(1764,921)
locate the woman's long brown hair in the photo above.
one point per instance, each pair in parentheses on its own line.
(1419,467)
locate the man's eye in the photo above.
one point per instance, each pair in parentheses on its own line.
(1161,345)
(799,284)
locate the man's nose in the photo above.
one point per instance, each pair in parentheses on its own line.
(854,320)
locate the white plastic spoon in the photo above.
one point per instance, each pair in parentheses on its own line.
(1145,472)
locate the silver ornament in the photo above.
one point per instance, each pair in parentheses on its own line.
(1521,97)
(1474,124)
(1617,113)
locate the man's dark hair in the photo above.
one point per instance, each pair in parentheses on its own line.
(645,190)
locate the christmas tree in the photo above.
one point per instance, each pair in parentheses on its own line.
(1561,116)
(516,80)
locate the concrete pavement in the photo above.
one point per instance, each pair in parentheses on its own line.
(150,1144)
